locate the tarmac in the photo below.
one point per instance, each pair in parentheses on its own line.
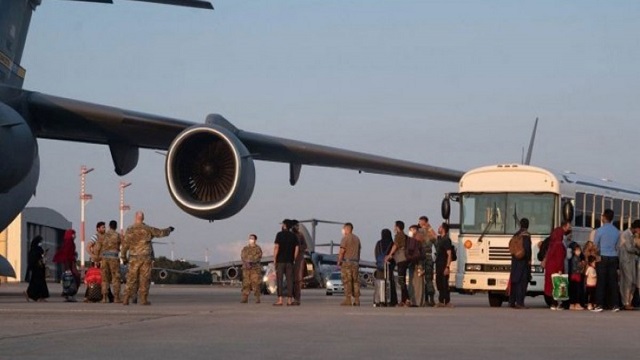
(209,322)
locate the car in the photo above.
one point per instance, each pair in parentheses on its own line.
(334,283)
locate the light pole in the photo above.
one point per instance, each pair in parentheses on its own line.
(84,199)
(123,207)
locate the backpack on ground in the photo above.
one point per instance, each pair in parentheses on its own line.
(516,245)
(414,252)
(69,286)
(94,292)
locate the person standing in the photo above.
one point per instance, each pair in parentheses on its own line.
(299,263)
(606,239)
(108,251)
(95,238)
(36,272)
(66,256)
(628,255)
(521,269)
(285,251)
(397,253)
(553,262)
(349,262)
(430,240)
(383,248)
(417,267)
(443,264)
(251,256)
(138,252)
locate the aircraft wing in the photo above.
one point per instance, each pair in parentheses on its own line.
(66,119)
(209,167)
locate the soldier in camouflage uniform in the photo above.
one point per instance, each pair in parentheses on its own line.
(348,260)
(430,238)
(137,250)
(108,250)
(251,270)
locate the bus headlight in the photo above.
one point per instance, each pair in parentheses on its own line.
(473,267)
(329,284)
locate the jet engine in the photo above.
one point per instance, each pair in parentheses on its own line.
(209,172)
(20,165)
(232,273)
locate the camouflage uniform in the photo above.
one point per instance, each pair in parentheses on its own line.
(108,250)
(350,268)
(251,271)
(138,249)
(299,267)
(430,240)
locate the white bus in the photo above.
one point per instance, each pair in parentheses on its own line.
(492,199)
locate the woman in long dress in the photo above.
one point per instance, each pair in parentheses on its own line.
(66,256)
(554,263)
(36,272)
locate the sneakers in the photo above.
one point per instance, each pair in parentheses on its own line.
(597,309)
(615,309)
(553,307)
(589,307)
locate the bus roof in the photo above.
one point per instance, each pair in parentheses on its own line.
(526,178)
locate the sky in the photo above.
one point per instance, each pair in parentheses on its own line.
(456,84)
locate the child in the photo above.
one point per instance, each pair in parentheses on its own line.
(576,284)
(592,279)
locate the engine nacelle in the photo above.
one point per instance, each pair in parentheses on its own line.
(209,172)
(17,148)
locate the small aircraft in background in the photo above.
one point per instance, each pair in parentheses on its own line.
(318,265)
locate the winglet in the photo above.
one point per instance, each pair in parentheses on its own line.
(533,139)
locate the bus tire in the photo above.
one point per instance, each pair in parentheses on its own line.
(495,300)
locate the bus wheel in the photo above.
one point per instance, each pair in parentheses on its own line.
(495,300)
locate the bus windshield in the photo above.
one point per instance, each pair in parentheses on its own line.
(500,213)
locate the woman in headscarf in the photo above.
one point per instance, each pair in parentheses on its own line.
(66,255)
(554,260)
(36,272)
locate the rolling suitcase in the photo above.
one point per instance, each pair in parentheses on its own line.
(381,291)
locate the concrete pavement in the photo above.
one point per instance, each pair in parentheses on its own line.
(207,322)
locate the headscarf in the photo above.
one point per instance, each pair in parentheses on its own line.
(35,252)
(387,241)
(67,252)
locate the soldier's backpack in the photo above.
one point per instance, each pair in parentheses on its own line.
(414,251)
(516,245)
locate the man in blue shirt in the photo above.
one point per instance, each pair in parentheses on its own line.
(606,240)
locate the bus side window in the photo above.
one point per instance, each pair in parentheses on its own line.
(588,211)
(579,210)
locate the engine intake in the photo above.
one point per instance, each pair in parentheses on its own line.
(209,172)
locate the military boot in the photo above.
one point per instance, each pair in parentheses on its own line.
(126,300)
(356,302)
(257,299)
(346,302)
(105,298)
(143,300)
(245,299)
(116,298)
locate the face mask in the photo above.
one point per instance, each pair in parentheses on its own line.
(252,242)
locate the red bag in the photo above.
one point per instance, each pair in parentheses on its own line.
(575,277)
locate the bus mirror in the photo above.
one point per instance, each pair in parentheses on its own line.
(567,211)
(445,208)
